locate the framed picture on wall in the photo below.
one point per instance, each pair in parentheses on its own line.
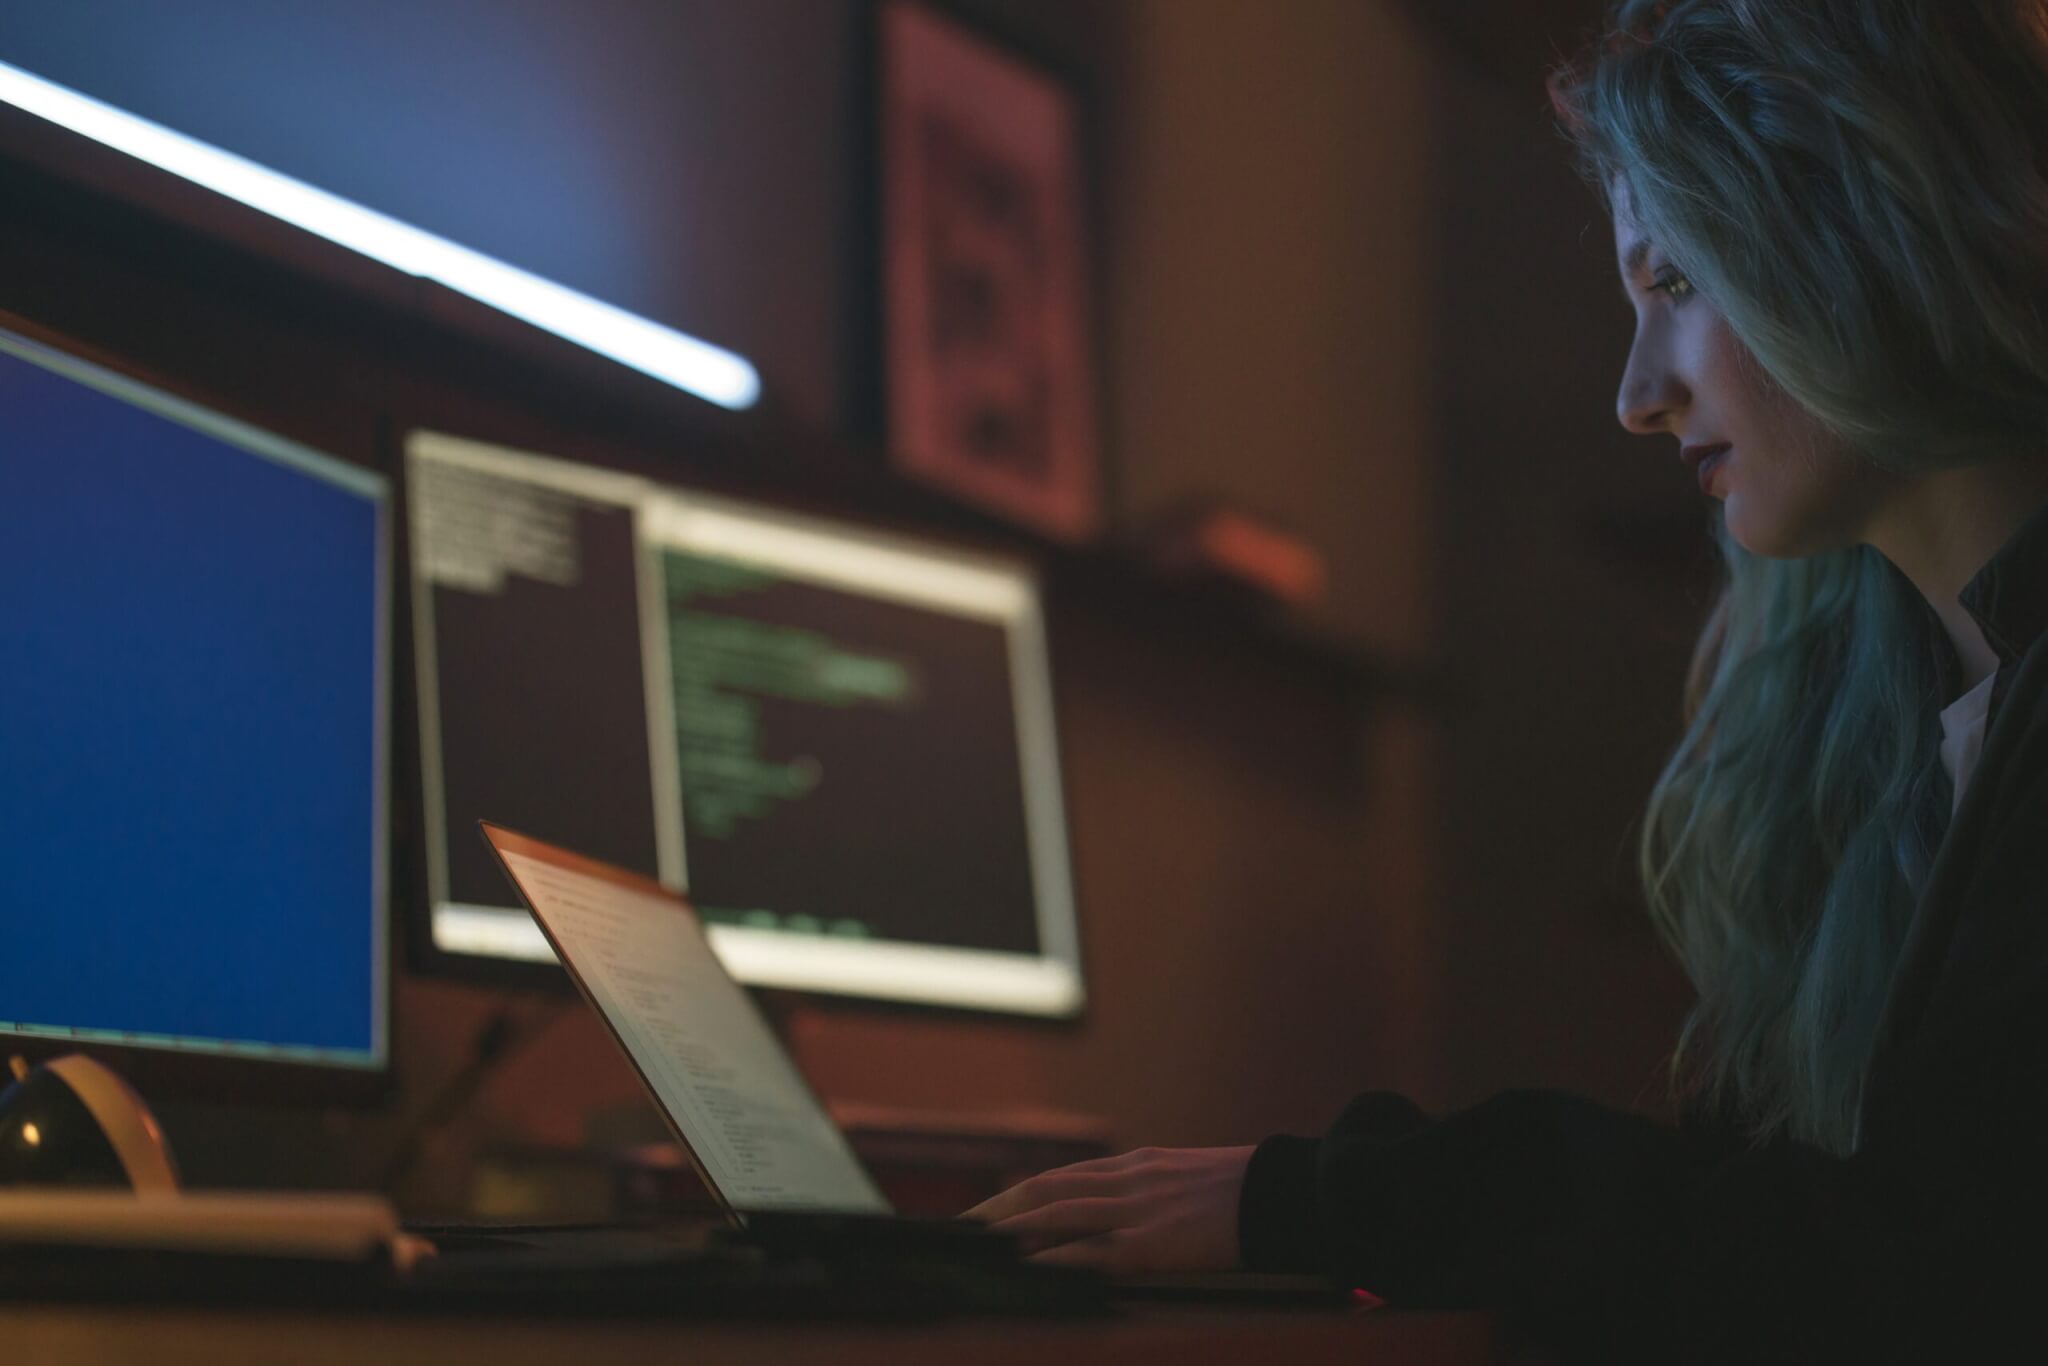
(989,378)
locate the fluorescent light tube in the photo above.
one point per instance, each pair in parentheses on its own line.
(695,366)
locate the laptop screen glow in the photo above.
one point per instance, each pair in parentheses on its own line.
(759,1135)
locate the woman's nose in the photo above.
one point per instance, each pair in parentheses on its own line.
(1651,396)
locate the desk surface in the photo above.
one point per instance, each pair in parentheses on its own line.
(1177,1336)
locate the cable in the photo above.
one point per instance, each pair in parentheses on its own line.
(500,1035)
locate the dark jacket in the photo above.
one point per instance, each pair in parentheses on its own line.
(1620,1237)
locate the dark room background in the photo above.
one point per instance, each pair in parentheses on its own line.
(1346,279)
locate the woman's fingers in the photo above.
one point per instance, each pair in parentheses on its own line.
(1151,1209)
(1063,1183)
(1089,1214)
(1068,1220)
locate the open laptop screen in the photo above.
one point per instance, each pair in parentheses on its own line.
(758,1135)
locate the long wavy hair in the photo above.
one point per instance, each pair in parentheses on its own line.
(1858,187)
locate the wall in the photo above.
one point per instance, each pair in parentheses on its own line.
(1253,852)
(1344,283)
(1273,322)
(1572,587)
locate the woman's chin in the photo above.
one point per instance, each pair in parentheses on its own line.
(1745,530)
(1771,538)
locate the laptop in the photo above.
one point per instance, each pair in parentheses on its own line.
(781,1170)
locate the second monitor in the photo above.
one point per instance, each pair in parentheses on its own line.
(840,742)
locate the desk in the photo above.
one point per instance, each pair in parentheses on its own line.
(1177,1336)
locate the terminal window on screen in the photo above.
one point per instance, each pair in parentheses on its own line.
(849,764)
(539,714)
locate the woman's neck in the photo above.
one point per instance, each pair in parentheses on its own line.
(1942,528)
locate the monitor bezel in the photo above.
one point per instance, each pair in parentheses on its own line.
(427,956)
(210,1075)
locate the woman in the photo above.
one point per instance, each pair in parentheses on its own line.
(1831,218)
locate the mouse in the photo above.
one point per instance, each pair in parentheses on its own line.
(73,1122)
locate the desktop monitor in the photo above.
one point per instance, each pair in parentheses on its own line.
(192,718)
(839,742)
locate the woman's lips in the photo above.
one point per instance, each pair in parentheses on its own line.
(1705,459)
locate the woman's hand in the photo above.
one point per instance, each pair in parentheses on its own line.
(1156,1209)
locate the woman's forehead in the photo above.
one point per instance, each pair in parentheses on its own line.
(1621,207)
(1630,245)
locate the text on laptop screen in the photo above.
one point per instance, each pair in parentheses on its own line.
(698,1043)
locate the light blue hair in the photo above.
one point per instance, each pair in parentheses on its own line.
(1858,186)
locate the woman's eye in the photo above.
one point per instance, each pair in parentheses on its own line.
(1673,283)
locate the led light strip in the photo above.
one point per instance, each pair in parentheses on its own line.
(698,367)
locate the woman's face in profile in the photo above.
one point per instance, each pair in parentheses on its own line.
(1788,486)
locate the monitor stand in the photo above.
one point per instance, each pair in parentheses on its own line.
(75,1122)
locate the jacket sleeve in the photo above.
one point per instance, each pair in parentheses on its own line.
(1609,1232)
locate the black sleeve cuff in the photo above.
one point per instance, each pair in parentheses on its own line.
(1278,1228)
(1280,1219)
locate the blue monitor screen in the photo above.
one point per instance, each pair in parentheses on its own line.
(192,719)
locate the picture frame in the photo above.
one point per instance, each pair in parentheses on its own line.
(989,385)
